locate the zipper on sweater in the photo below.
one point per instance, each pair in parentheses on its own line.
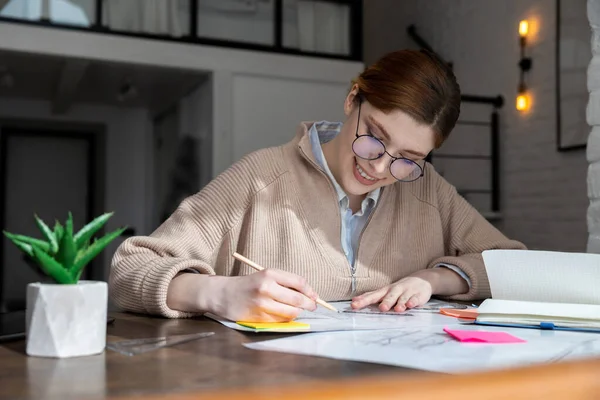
(351,267)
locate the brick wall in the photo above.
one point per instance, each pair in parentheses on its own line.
(593,117)
(544,198)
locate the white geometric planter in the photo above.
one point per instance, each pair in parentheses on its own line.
(66,320)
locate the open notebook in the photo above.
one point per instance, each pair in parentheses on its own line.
(542,289)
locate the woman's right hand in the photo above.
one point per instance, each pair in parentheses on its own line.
(270,295)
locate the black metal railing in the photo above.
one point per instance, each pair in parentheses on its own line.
(491,124)
(355,27)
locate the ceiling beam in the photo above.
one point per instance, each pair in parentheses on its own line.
(66,88)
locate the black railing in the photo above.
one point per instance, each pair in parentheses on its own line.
(492,125)
(355,26)
(493,157)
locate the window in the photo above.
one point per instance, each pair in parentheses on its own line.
(164,17)
(323,28)
(317,26)
(74,12)
(237,20)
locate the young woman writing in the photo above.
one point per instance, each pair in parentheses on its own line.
(347,210)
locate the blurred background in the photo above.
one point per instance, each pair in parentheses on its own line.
(132,105)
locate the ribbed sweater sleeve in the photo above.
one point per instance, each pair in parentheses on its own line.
(143,266)
(466,235)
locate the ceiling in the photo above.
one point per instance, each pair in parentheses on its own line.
(65,81)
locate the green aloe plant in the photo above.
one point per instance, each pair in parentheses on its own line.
(64,254)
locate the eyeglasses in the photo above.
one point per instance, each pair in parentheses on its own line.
(368,147)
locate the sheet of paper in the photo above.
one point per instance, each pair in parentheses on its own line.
(323,320)
(432,349)
(546,311)
(467,336)
(433,305)
(532,275)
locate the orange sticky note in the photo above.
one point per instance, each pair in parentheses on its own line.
(275,325)
(466,314)
(483,336)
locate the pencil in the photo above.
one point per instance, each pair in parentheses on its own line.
(259,268)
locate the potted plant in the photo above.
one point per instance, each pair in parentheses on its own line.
(65,318)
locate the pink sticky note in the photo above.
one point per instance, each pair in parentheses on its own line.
(483,336)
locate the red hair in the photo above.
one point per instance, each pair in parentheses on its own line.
(417,83)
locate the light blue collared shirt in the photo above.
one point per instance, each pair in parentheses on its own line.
(352,224)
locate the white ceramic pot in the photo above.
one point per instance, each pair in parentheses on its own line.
(66,320)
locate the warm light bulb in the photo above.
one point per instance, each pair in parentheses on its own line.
(523,28)
(522,102)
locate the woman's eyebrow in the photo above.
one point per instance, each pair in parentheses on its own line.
(387,137)
(380,127)
(415,153)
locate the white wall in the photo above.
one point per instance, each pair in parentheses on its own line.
(543,191)
(115,48)
(267,111)
(253,111)
(127,133)
(575,56)
(593,118)
(232,73)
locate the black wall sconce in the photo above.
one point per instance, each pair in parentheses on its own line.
(523,98)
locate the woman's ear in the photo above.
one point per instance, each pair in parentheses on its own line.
(351,100)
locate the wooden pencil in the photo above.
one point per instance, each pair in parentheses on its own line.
(257,267)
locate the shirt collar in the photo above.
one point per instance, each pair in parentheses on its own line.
(322,132)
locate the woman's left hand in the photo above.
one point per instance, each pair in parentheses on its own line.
(408,292)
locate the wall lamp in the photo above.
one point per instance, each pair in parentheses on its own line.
(523,99)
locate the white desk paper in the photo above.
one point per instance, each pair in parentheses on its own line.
(433,350)
(323,320)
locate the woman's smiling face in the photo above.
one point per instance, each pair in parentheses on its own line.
(400,135)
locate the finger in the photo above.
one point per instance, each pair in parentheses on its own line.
(274,311)
(369,298)
(292,298)
(400,305)
(415,301)
(407,300)
(292,281)
(391,298)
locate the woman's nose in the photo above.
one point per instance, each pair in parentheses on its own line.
(380,166)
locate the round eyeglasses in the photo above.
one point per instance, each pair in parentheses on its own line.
(368,147)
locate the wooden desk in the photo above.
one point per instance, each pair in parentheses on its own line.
(219,367)
(217,362)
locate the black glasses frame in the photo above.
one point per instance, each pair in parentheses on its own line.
(394,159)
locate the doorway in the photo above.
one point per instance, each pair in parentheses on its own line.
(48,169)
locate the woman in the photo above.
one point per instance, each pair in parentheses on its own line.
(348,211)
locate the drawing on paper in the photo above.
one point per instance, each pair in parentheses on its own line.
(429,348)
